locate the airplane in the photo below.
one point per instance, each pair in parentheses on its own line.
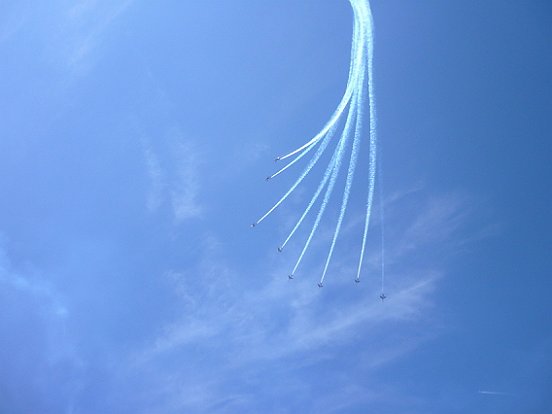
(268,178)
(320,284)
(357,280)
(253,225)
(382,296)
(290,277)
(280,249)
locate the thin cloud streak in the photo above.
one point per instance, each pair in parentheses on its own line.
(498,393)
(32,286)
(156,177)
(42,333)
(175,180)
(185,188)
(91,37)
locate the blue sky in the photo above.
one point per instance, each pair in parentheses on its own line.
(134,141)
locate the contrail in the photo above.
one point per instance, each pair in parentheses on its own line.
(350,175)
(329,190)
(360,87)
(344,100)
(500,393)
(373,136)
(321,186)
(296,159)
(309,167)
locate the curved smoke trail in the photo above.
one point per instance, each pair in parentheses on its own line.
(361,77)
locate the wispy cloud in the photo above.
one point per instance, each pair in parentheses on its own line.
(175,179)
(442,216)
(248,327)
(154,197)
(36,287)
(185,188)
(71,33)
(12,20)
(87,21)
(41,342)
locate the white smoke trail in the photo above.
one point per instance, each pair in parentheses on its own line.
(327,132)
(321,186)
(280,171)
(373,132)
(357,107)
(360,75)
(353,72)
(309,167)
(358,97)
(382,217)
(339,158)
(355,69)
(329,190)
